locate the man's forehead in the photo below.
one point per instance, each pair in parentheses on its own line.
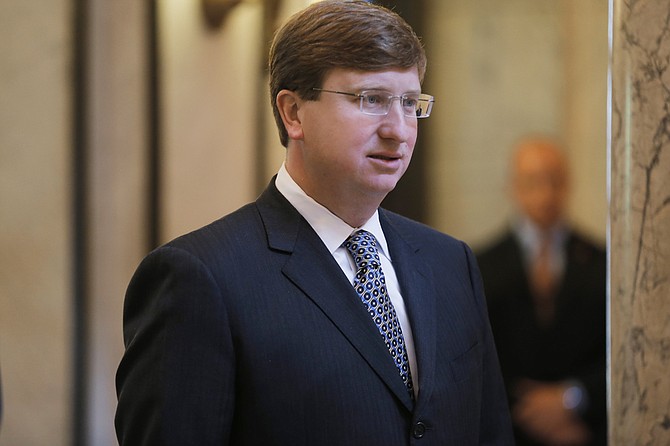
(406,79)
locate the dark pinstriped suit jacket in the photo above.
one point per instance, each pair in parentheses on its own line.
(246,332)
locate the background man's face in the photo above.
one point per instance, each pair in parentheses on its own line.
(540,183)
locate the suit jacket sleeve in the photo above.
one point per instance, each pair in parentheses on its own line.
(176,349)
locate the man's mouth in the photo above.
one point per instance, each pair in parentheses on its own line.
(385,157)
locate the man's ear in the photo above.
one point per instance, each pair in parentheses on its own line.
(288,103)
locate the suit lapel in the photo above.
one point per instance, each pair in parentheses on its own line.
(419,300)
(312,268)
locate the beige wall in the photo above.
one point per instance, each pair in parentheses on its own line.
(499,70)
(35,222)
(209,121)
(117,152)
(584,32)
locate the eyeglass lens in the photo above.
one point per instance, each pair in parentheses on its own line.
(379,103)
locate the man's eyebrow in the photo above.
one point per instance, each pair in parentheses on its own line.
(386,90)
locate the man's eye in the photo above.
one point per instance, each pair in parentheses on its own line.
(409,102)
(373,99)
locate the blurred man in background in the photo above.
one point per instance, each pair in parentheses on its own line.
(545,286)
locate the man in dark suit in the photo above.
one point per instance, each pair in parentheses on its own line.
(545,285)
(249,331)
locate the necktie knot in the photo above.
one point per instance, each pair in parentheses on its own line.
(363,248)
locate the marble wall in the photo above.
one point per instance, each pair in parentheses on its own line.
(640,223)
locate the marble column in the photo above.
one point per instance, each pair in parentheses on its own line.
(639,234)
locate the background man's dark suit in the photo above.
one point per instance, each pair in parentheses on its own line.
(293,358)
(574,346)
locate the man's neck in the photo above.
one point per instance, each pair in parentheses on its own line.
(354,208)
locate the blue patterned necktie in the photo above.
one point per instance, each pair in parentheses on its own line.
(370,285)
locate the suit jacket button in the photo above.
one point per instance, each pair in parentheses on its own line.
(419,430)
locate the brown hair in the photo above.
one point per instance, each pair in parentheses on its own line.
(338,34)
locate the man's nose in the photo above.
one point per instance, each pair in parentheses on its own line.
(397,125)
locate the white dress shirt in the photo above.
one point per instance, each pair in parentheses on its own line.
(529,236)
(333,231)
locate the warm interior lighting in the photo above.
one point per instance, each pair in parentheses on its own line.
(215,11)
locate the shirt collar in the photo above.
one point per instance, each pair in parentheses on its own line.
(332,230)
(529,235)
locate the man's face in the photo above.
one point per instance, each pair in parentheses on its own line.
(540,183)
(347,156)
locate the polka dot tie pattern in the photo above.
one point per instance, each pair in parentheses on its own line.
(370,285)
